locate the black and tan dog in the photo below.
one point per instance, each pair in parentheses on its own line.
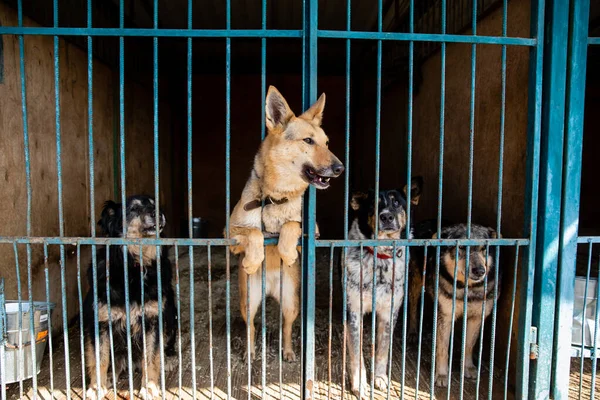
(293,156)
(389,269)
(479,289)
(140,214)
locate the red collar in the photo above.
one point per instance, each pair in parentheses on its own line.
(381,255)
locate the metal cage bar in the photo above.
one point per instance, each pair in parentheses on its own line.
(310,33)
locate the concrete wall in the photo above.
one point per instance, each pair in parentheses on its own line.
(40,91)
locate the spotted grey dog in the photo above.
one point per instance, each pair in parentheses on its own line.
(389,268)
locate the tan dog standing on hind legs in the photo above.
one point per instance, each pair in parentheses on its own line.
(293,156)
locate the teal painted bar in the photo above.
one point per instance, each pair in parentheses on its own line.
(428,37)
(551,147)
(309,75)
(576,74)
(148,32)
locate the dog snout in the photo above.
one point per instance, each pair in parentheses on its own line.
(478,271)
(386,217)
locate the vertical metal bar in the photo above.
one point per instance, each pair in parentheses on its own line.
(61,223)
(161,338)
(483,311)
(263,95)
(391,332)
(583,317)
(32,322)
(143,316)
(227,186)
(81,327)
(451,351)
(494,320)
(110,322)
(422,296)
(344,316)
(124,191)
(20,360)
(470,193)
(280,331)
(594,353)
(409,140)
(531,197)
(440,196)
(377,168)
(309,210)
(346,190)
(27,182)
(553,112)
(210,324)
(178,297)
(190,213)
(361,322)
(192,320)
(248,337)
(2,341)
(330,325)
(512,318)
(575,102)
(502,119)
(90,100)
(48,310)
(500,188)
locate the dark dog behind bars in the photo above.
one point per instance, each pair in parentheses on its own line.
(143,279)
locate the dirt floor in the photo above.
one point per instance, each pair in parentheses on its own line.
(282,379)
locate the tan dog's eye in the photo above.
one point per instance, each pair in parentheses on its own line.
(327,143)
(309,141)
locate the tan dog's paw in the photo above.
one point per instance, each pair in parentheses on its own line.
(471,372)
(288,256)
(252,264)
(441,380)
(289,355)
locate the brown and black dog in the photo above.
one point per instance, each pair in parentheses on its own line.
(478,277)
(143,272)
(293,156)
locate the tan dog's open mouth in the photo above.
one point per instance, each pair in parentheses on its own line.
(316,179)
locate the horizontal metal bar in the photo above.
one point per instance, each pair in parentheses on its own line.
(121,241)
(137,32)
(588,239)
(594,40)
(428,37)
(271,241)
(422,242)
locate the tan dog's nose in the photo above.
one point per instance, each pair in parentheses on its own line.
(337,169)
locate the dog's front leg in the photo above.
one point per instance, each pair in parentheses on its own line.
(356,366)
(150,369)
(288,240)
(97,390)
(384,329)
(251,242)
(441,352)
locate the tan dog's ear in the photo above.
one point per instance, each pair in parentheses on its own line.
(357,198)
(434,236)
(277,110)
(315,113)
(416,187)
